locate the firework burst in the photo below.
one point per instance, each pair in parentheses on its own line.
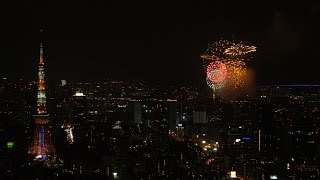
(224,64)
(214,86)
(217,48)
(239,50)
(236,74)
(216,71)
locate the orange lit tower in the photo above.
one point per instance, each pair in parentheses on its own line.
(41,147)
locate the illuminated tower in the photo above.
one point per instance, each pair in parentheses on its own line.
(41,147)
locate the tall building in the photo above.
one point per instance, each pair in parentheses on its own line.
(135,110)
(172,114)
(79,109)
(41,147)
(200,117)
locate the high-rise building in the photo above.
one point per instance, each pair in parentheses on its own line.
(135,110)
(41,147)
(172,114)
(79,108)
(199,117)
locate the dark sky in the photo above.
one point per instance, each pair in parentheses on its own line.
(157,40)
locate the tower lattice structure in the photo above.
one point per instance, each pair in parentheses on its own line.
(41,147)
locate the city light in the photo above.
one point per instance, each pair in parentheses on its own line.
(273,177)
(233,174)
(79,94)
(10,145)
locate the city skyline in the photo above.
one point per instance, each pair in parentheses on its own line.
(159,41)
(160,90)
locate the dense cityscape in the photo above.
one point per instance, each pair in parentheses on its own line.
(138,130)
(191,90)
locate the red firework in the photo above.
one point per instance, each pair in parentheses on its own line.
(216,71)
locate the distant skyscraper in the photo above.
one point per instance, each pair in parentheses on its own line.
(200,117)
(173,119)
(135,110)
(79,108)
(41,147)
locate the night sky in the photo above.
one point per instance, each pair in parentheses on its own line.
(157,40)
